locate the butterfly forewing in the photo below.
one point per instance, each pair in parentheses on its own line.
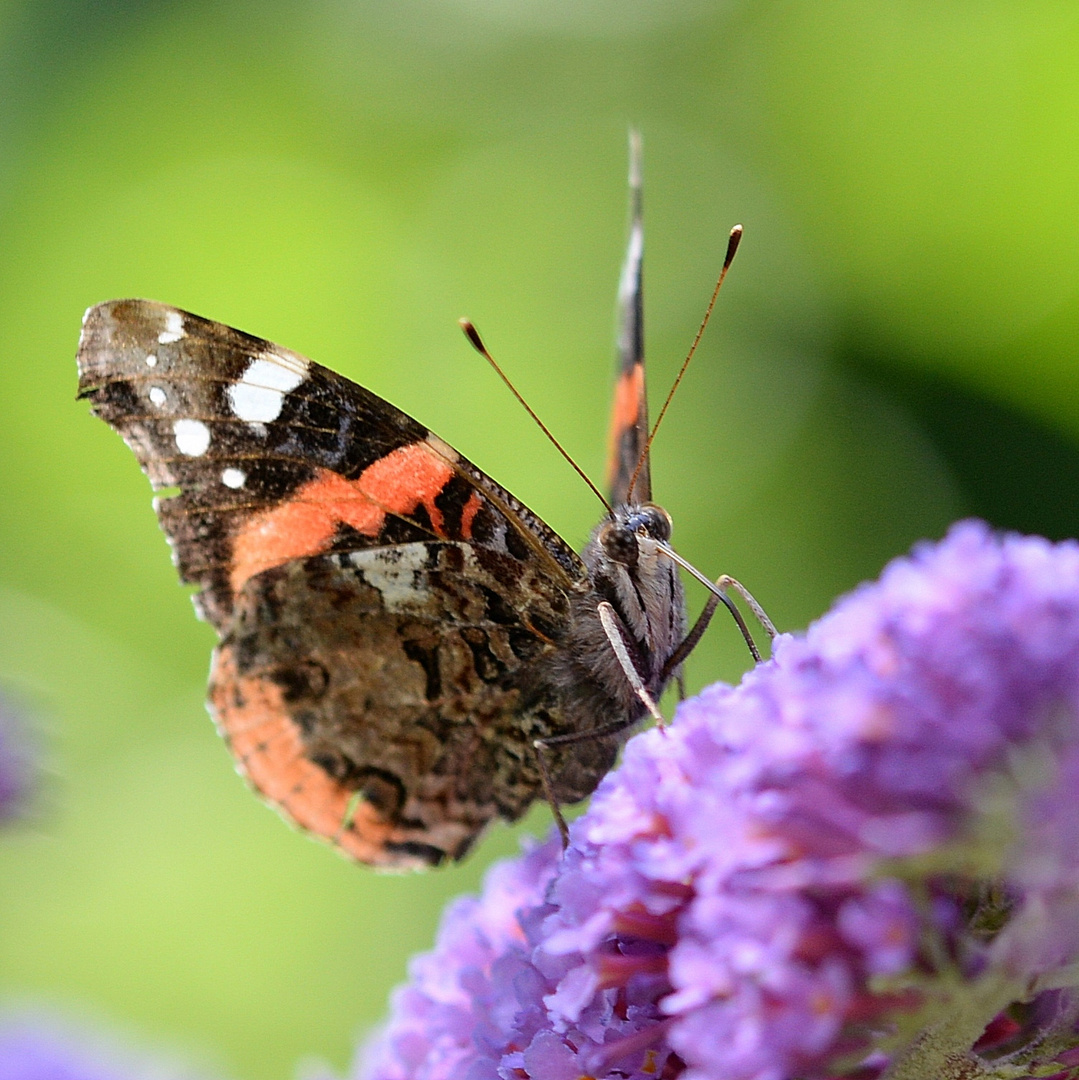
(629,414)
(275,456)
(384,606)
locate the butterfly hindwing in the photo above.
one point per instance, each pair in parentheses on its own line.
(405,675)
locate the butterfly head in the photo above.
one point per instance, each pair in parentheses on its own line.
(633,530)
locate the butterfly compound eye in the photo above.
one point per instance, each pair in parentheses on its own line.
(619,543)
(656,522)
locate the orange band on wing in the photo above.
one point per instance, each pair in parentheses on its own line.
(305,524)
(252,717)
(468,514)
(628,398)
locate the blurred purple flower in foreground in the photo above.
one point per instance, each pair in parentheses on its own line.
(15,764)
(35,1048)
(862,860)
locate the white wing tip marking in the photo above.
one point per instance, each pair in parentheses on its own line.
(174,328)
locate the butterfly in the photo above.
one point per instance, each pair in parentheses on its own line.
(406,651)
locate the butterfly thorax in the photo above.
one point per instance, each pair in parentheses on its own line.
(625,569)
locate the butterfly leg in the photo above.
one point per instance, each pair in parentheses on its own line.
(548,791)
(540,745)
(612,628)
(725,581)
(718,589)
(719,595)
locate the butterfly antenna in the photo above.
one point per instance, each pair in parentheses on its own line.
(476,341)
(732,247)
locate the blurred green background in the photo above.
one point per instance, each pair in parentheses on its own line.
(896,348)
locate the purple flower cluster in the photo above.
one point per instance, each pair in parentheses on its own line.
(450,1017)
(865,857)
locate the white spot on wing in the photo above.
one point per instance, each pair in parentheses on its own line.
(233,478)
(627,283)
(157,395)
(393,572)
(260,394)
(151,360)
(192,437)
(174,328)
